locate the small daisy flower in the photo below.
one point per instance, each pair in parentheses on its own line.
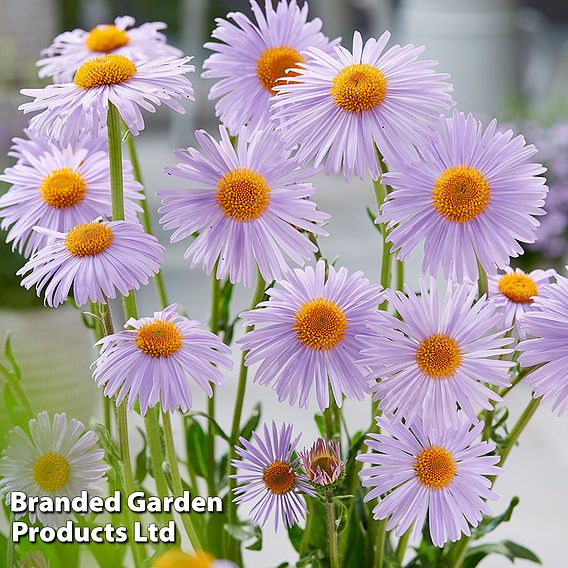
(57,458)
(270,477)
(154,358)
(322,462)
(472,198)
(547,326)
(93,261)
(442,474)
(68,109)
(338,107)
(514,293)
(70,50)
(437,356)
(308,335)
(248,204)
(57,187)
(251,57)
(199,559)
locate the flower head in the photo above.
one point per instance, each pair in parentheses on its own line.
(57,458)
(270,477)
(441,474)
(152,360)
(176,558)
(251,57)
(57,187)
(514,293)
(306,335)
(248,205)
(93,261)
(69,110)
(546,326)
(338,107)
(70,50)
(438,355)
(472,198)
(322,462)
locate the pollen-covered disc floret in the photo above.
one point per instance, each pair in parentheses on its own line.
(307,336)
(156,359)
(93,261)
(57,187)
(421,473)
(438,355)
(339,107)
(252,57)
(104,71)
(57,458)
(322,462)
(474,196)
(250,206)
(70,50)
(269,478)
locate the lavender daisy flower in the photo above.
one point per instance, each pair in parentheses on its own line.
(57,188)
(547,323)
(248,205)
(308,335)
(154,358)
(69,109)
(93,261)
(70,50)
(471,198)
(441,474)
(514,293)
(338,107)
(437,356)
(57,458)
(252,57)
(322,462)
(270,477)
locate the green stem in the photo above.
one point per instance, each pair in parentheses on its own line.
(402,544)
(332,535)
(305,542)
(381,539)
(176,479)
(399,274)
(156,453)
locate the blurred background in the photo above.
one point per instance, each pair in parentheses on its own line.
(508,59)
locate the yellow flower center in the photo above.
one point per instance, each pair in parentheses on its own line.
(159,338)
(435,467)
(63,188)
(519,288)
(51,472)
(279,477)
(179,559)
(89,239)
(105,70)
(273,64)
(439,356)
(320,324)
(461,193)
(243,195)
(106,38)
(359,87)
(325,463)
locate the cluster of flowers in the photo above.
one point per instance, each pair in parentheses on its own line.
(470,194)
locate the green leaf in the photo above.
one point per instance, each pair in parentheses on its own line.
(489,524)
(196,444)
(252,423)
(10,356)
(320,424)
(141,463)
(295,534)
(507,548)
(216,427)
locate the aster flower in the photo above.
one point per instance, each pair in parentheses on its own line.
(547,325)
(322,462)
(152,360)
(270,477)
(437,356)
(248,205)
(473,196)
(514,293)
(70,50)
(57,187)
(178,559)
(338,107)
(67,110)
(308,335)
(93,261)
(251,57)
(57,458)
(441,474)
